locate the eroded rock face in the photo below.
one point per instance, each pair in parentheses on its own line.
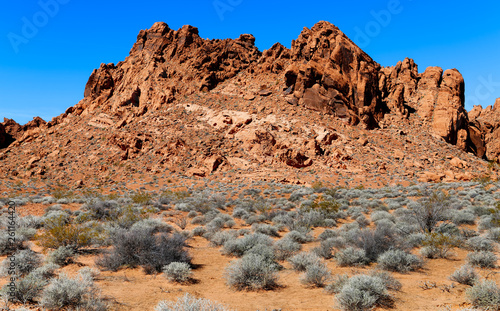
(11,131)
(330,73)
(436,96)
(12,128)
(323,71)
(484,127)
(164,64)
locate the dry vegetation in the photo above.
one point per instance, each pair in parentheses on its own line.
(253,247)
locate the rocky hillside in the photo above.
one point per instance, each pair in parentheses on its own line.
(322,109)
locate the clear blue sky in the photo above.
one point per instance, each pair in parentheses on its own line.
(54,59)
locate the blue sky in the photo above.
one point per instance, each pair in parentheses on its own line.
(49,48)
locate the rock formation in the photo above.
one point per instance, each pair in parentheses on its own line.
(164,64)
(484,127)
(436,96)
(200,107)
(11,131)
(330,73)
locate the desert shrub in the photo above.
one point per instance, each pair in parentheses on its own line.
(244,231)
(438,245)
(199,231)
(266,229)
(239,212)
(379,215)
(177,271)
(251,272)
(362,221)
(447,228)
(7,245)
(482,259)
(267,253)
(79,293)
(316,274)
(327,208)
(351,256)
(375,241)
(479,243)
(329,223)
(325,248)
(430,210)
(364,292)
(302,260)
(465,275)
(24,262)
(254,219)
(494,234)
(46,271)
(166,249)
(239,247)
(130,214)
(415,239)
(310,219)
(25,233)
(486,222)
(399,261)
(356,211)
(198,220)
(28,288)
(484,294)
(142,248)
(141,198)
(389,281)
(463,218)
(337,283)
(215,224)
(298,237)
(468,233)
(221,237)
(58,232)
(286,248)
(102,210)
(61,256)
(299,193)
(152,224)
(30,221)
(230,223)
(327,234)
(188,302)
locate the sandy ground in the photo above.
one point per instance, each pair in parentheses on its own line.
(132,289)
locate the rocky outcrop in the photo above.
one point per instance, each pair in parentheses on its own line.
(436,96)
(164,64)
(273,60)
(323,71)
(330,73)
(11,131)
(484,127)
